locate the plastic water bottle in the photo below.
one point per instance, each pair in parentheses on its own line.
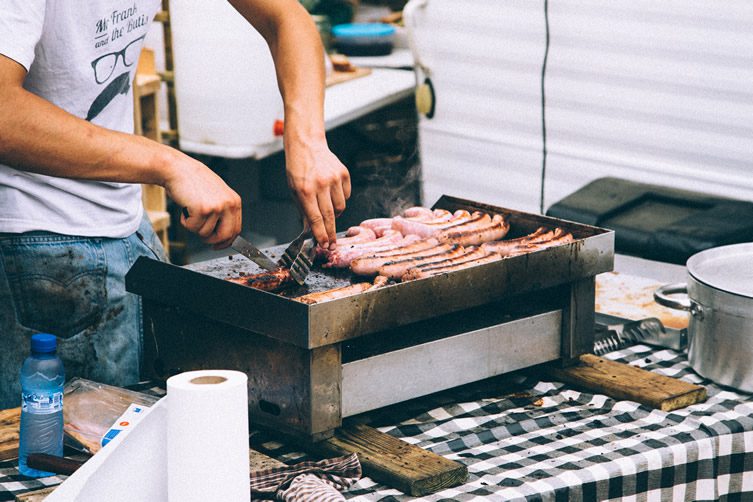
(42,378)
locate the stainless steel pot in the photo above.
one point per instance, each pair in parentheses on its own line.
(719,297)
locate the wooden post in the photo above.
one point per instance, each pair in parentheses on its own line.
(146,87)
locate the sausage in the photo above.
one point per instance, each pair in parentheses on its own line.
(372,265)
(427,215)
(354,235)
(341,292)
(430,228)
(396,269)
(505,248)
(377,225)
(418,213)
(538,246)
(275,280)
(343,256)
(379,281)
(335,258)
(369,265)
(419,273)
(335,293)
(501,246)
(474,234)
(470,254)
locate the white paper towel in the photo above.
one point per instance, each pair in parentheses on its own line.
(207,437)
(131,468)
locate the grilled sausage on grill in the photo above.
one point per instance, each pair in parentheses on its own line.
(344,255)
(451,266)
(430,228)
(396,269)
(276,280)
(476,232)
(369,265)
(514,246)
(335,293)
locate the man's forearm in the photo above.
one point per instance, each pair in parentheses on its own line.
(319,181)
(298,54)
(37,136)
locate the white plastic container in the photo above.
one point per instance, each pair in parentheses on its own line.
(225,83)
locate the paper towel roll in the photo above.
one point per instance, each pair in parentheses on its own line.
(207,436)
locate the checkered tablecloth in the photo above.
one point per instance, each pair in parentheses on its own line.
(527,439)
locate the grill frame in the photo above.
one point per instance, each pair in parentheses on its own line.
(310,326)
(292,351)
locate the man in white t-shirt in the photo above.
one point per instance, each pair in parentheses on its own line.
(71,220)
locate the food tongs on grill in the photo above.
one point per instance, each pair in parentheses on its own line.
(298,256)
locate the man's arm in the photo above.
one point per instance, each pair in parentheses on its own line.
(40,137)
(319,180)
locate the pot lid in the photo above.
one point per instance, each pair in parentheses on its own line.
(727,268)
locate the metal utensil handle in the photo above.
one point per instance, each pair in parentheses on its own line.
(662,296)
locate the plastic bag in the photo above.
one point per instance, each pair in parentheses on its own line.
(91,408)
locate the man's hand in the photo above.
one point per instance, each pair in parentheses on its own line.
(321,183)
(214,209)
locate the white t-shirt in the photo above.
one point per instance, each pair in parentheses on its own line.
(80,56)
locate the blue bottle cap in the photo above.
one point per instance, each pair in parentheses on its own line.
(43,342)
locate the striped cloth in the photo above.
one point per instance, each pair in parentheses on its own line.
(307,481)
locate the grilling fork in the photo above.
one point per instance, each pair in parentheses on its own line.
(299,256)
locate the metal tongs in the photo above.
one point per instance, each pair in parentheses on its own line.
(615,333)
(298,256)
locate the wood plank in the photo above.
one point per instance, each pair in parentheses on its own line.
(35,496)
(393,462)
(10,421)
(258,461)
(622,381)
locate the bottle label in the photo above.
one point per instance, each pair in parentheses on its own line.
(42,403)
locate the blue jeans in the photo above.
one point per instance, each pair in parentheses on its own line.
(72,287)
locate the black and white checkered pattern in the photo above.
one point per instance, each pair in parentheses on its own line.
(526,439)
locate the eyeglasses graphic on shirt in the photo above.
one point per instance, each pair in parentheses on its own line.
(105,65)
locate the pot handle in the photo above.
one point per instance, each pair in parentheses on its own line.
(662,296)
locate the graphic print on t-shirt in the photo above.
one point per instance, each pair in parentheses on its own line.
(119,24)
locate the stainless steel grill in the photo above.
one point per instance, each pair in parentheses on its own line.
(311,365)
